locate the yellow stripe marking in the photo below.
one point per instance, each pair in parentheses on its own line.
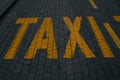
(117,18)
(75,38)
(107,53)
(112,34)
(40,43)
(20,34)
(93,4)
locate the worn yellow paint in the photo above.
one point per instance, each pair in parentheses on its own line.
(40,43)
(93,4)
(107,53)
(20,34)
(76,38)
(117,18)
(112,34)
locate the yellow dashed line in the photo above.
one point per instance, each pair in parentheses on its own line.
(93,4)
(15,44)
(117,18)
(113,34)
(40,43)
(107,53)
(75,38)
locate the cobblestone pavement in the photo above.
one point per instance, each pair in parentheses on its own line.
(60,40)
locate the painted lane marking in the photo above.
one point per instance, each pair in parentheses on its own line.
(76,38)
(20,34)
(112,34)
(93,4)
(40,43)
(117,18)
(107,53)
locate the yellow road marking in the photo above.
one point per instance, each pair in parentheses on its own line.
(107,53)
(75,38)
(93,4)
(117,18)
(112,34)
(40,43)
(48,43)
(15,44)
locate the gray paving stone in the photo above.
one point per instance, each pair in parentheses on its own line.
(42,68)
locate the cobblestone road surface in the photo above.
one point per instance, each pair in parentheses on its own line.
(81,40)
